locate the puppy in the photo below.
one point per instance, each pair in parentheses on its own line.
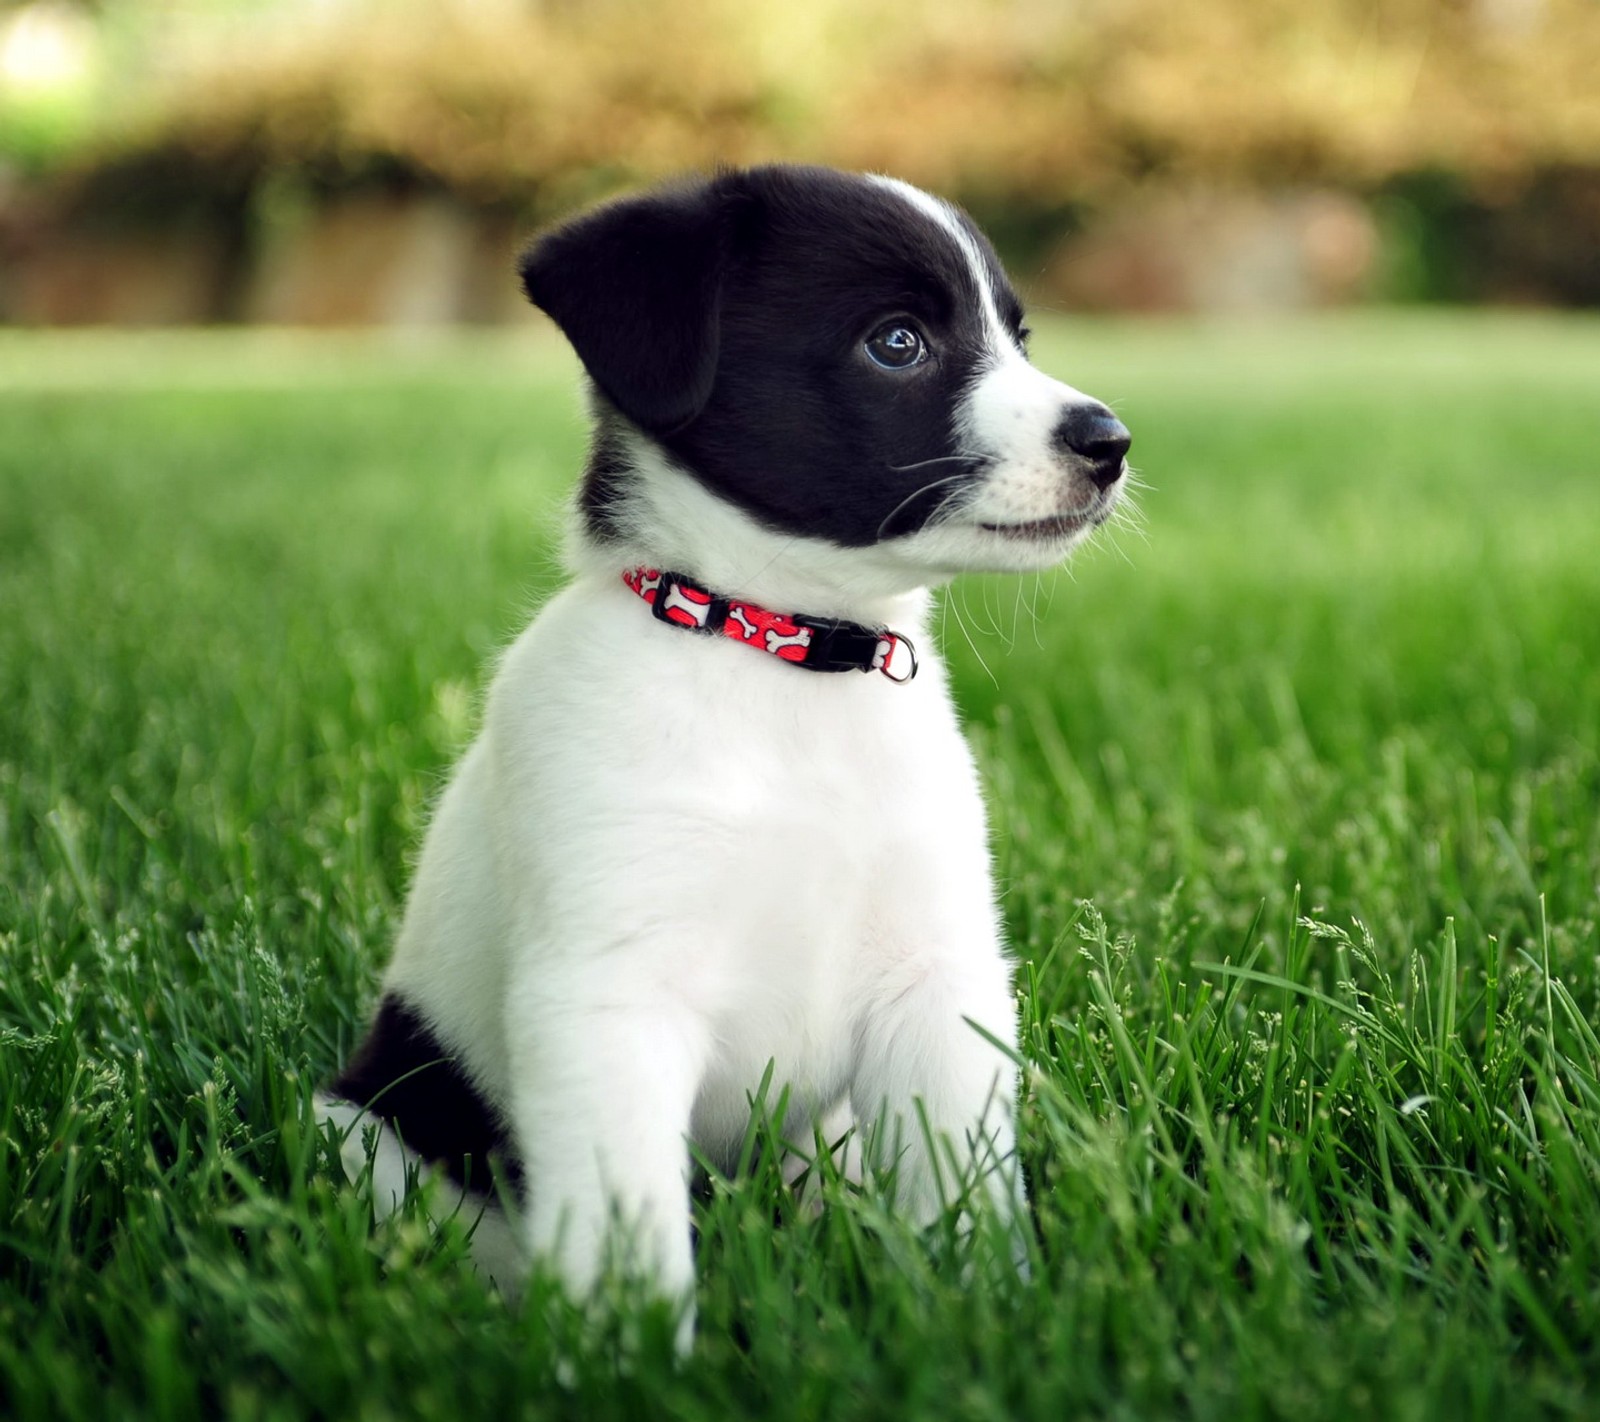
(720,814)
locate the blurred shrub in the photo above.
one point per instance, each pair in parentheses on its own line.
(1034,112)
(1538,236)
(1021,98)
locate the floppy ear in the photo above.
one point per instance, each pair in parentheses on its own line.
(636,287)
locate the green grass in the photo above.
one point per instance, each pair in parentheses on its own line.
(1297,813)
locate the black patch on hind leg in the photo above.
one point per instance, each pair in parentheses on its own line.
(403,1073)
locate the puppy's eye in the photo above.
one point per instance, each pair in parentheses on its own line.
(897,346)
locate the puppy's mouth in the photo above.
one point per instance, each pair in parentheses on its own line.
(1049,530)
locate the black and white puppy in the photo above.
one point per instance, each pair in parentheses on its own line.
(712,822)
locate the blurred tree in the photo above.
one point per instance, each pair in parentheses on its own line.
(1043,116)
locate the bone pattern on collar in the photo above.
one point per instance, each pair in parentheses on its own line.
(815,643)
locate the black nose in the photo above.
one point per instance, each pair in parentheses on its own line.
(1098,438)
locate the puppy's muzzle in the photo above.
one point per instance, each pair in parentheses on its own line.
(1096,441)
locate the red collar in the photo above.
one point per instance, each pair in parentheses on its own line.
(816,643)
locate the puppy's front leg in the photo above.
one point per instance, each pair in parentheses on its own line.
(917,1047)
(604,1086)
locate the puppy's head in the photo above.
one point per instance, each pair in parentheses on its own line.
(840,359)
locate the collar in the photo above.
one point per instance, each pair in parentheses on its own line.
(821,644)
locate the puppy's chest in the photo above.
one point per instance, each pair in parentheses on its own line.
(797,817)
(821,832)
(739,768)
(784,823)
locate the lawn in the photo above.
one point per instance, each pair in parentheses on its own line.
(1296,806)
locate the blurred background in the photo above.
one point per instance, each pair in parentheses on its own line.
(376,162)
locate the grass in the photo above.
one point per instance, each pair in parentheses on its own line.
(1297,813)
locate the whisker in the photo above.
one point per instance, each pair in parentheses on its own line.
(985,587)
(782,549)
(992,615)
(946,504)
(1035,592)
(938,459)
(953,604)
(917,494)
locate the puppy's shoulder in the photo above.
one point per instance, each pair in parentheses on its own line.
(576,647)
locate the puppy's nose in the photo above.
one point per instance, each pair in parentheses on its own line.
(1098,438)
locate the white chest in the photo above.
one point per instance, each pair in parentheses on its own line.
(787,832)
